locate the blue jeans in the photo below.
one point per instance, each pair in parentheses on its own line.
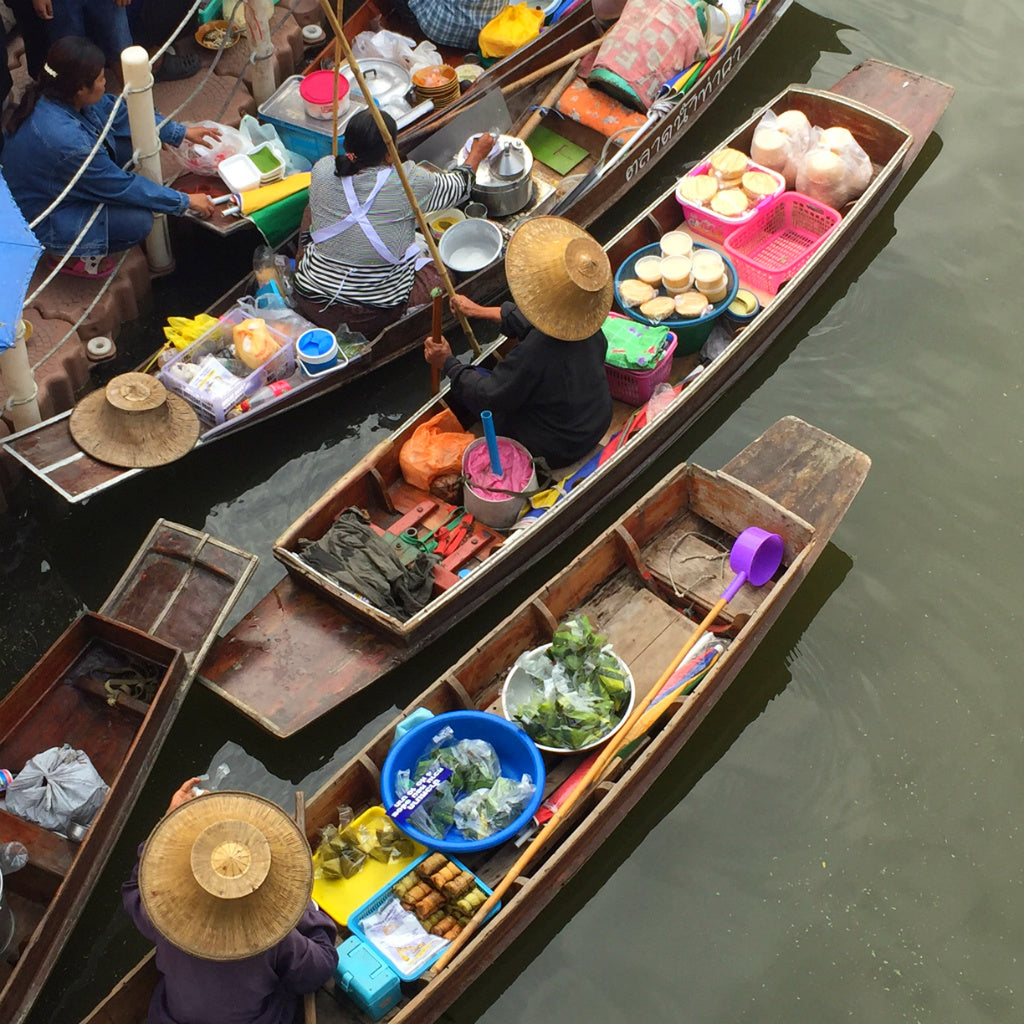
(102,21)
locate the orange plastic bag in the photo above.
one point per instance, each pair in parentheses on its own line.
(513,26)
(435,448)
(253,343)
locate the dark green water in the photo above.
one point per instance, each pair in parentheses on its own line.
(840,841)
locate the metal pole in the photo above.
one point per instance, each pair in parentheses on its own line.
(396,160)
(138,80)
(19,381)
(257,20)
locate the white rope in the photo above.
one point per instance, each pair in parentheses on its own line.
(92,305)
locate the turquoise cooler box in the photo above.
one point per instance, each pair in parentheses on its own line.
(308,136)
(366,978)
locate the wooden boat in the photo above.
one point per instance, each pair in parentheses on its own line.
(156,625)
(48,450)
(330,650)
(643,583)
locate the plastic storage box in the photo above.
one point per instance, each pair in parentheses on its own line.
(221,390)
(710,224)
(781,238)
(371,906)
(366,978)
(308,136)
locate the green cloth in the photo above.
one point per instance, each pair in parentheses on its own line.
(632,345)
(281,219)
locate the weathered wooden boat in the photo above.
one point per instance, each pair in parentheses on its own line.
(327,651)
(110,686)
(643,583)
(49,451)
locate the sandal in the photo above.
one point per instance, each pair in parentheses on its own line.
(94,268)
(176,66)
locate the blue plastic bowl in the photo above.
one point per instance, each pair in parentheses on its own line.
(690,333)
(517,753)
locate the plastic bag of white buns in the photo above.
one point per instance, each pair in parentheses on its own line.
(780,141)
(835,169)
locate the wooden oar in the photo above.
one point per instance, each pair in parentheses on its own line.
(437,297)
(309,999)
(396,161)
(549,101)
(755,556)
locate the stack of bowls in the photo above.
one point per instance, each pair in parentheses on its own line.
(439,83)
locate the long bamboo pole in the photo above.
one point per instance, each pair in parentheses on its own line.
(396,161)
(552,97)
(337,87)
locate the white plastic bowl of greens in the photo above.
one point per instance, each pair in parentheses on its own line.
(571,694)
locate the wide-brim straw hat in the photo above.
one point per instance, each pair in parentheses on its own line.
(225,876)
(560,277)
(134,422)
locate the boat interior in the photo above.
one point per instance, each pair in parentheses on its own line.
(644,585)
(408,515)
(80,694)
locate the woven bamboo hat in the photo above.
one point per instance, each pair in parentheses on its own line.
(560,277)
(134,421)
(225,876)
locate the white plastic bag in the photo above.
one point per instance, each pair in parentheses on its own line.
(397,48)
(835,169)
(206,157)
(55,788)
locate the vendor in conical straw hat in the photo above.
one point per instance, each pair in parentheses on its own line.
(222,888)
(550,392)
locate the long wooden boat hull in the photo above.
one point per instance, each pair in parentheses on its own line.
(49,451)
(634,585)
(328,654)
(158,621)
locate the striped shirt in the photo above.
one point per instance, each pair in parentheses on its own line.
(347,268)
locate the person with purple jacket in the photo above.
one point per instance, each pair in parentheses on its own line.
(222,888)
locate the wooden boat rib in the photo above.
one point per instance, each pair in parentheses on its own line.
(158,621)
(328,654)
(639,584)
(50,453)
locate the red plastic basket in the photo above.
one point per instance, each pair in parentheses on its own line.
(635,387)
(779,240)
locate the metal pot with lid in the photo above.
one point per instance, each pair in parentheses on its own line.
(504,180)
(387,81)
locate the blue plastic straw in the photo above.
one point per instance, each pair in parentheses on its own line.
(492,441)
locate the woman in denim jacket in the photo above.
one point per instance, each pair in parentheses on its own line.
(51,136)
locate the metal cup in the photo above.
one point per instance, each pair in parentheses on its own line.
(475,210)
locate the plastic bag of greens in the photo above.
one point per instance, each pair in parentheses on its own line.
(474,763)
(435,814)
(487,811)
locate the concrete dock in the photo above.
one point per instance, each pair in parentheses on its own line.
(67,313)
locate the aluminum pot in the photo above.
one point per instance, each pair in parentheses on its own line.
(503,195)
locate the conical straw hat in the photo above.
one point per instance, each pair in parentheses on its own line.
(560,278)
(134,421)
(225,876)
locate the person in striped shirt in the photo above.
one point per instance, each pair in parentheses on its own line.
(362,266)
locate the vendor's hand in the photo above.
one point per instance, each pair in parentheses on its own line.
(436,352)
(183,793)
(465,306)
(44,8)
(197,134)
(201,205)
(479,150)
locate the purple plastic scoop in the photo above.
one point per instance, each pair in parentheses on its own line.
(755,556)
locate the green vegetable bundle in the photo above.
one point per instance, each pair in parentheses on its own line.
(580,691)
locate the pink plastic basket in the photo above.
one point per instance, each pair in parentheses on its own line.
(708,223)
(635,387)
(779,240)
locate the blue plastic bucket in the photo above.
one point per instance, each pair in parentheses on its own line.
(317,350)
(517,753)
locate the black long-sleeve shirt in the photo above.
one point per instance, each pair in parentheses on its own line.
(549,395)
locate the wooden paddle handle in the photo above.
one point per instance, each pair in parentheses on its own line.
(437,296)
(555,65)
(309,999)
(548,102)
